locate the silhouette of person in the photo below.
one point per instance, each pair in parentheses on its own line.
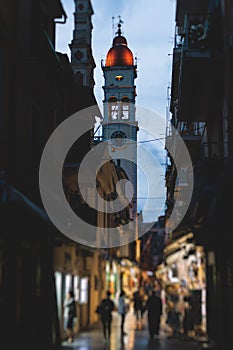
(188,320)
(154,312)
(105,311)
(122,310)
(138,306)
(70,307)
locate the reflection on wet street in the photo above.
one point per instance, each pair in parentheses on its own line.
(135,339)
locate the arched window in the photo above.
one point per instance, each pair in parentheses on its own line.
(113,108)
(125,108)
(79,78)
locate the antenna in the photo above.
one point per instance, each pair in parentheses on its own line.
(136,59)
(113,27)
(120,22)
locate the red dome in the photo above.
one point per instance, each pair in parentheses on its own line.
(119,54)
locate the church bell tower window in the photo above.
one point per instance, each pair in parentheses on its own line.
(113,108)
(119,77)
(125,108)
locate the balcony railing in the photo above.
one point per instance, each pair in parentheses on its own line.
(199,70)
(96,140)
(191,129)
(179,37)
(196,32)
(185,129)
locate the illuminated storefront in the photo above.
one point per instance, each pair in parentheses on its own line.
(183,271)
(122,274)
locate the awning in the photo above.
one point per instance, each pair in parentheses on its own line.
(175,246)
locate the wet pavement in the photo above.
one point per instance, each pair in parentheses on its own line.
(135,339)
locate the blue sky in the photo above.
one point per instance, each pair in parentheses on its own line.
(149,28)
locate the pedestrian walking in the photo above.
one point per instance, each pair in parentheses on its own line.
(123,308)
(188,320)
(154,312)
(138,308)
(70,314)
(173,311)
(105,311)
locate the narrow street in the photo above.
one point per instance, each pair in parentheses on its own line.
(134,340)
(116,168)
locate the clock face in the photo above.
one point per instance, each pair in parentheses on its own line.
(78,55)
(118,139)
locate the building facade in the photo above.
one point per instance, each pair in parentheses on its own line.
(82,60)
(38,92)
(201,111)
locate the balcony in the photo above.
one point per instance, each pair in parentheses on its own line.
(178,48)
(199,71)
(190,132)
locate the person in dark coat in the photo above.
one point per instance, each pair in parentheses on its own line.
(70,306)
(154,312)
(188,320)
(138,308)
(123,308)
(105,310)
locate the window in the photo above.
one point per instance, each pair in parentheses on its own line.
(113,108)
(79,78)
(83,290)
(114,111)
(76,288)
(58,284)
(174,270)
(125,111)
(119,77)
(68,284)
(125,108)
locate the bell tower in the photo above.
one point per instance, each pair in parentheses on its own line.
(119,125)
(82,60)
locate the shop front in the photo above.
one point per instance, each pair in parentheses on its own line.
(183,278)
(83,273)
(122,274)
